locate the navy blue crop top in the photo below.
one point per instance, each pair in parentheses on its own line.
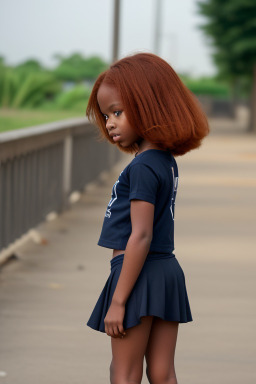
(151,176)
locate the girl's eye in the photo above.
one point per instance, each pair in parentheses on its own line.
(116,113)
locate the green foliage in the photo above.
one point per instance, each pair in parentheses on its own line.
(77,68)
(207,86)
(29,66)
(75,98)
(8,85)
(18,89)
(35,89)
(30,85)
(231,26)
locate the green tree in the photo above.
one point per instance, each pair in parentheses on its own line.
(207,86)
(29,66)
(2,61)
(231,26)
(78,68)
(35,89)
(18,90)
(75,98)
(27,85)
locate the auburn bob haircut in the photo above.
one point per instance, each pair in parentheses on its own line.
(159,107)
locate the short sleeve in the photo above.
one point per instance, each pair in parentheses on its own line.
(144,183)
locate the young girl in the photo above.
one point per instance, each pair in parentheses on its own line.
(142,107)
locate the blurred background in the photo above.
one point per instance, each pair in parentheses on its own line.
(51,55)
(56,179)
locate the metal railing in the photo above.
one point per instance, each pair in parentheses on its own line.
(41,166)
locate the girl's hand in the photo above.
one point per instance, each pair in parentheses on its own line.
(114,320)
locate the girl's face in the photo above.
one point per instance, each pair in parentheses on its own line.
(117,125)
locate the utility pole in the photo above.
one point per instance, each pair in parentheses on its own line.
(116,30)
(157,38)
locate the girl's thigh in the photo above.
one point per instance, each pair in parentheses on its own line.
(161,349)
(128,352)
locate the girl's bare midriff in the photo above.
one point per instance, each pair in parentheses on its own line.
(117,252)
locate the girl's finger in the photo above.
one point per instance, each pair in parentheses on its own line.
(121,329)
(107,330)
(112,333)
(115,330)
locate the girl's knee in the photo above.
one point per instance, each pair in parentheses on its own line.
(118,376)
(158,375)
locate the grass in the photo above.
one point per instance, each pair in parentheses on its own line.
(11,119)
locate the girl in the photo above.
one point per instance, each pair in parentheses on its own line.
(142,107)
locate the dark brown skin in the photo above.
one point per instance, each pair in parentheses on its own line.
(153,338)
(142,216)
(142,212)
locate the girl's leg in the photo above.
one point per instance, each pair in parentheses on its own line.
(128,353)
(160,352)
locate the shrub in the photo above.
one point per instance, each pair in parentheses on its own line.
(72,98)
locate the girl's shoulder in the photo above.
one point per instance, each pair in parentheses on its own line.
(153,158)
(152,163)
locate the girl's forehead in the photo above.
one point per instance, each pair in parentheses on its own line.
(108,94)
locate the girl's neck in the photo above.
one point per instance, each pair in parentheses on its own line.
(145,145)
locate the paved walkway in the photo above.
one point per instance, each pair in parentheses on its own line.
(47,295)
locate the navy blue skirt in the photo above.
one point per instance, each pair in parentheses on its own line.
(160,290)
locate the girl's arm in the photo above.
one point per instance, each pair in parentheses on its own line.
(142,217)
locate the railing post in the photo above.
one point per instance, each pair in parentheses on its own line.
(41,167)
(67,169)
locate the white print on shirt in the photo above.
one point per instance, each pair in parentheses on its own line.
(113,198)
(174,192)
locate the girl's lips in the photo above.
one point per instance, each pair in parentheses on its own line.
(116,138)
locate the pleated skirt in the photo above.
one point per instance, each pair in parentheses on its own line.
(160,290)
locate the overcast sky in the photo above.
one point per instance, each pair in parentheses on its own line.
(41,28)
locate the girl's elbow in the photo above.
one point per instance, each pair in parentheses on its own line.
(145,237)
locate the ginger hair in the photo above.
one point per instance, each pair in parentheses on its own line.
(157,104)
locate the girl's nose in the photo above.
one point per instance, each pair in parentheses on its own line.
(110,124)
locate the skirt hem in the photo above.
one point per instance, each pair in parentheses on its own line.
(160,291)
(139,322)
